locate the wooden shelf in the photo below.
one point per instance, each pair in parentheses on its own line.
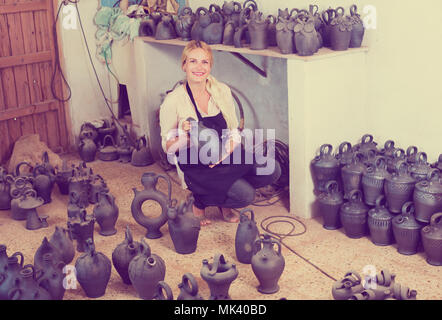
(274,52)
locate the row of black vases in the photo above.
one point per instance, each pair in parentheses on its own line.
(101,143)
(367,182)
(298,31)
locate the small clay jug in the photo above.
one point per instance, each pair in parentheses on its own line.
(345,154)
(47,247)
(165,29)
(26,286)
(366,145)
(96,186)
(147,28)
(246,235)
(87,129)
(398,155)
(153,225)
(258,30)
(427,196)
(388,149)
(124,149)
(184,23)
(284,35)
(324,168)
(213,33)
(352,174)
(93,271)
(87,149)
(9,273)
(184,228)
(189,288)
(202,20)
(348,286)
(406,230)
(340,33)
(62,178)
(17,195)
(305,36)
(3,257)
(5,187)
(229,33)
(420,169)
(52,277)
(432,240)
(373,180)
(108,151)
(82,228)
(219,275)
(141,155)
(30,203)
(145,271)
(358,30)
(61,239)
(44,181)
(412,154)
(327,17)
(399,187)
(123,255)
(401,292)
(329,204)
(109,127)
(106,213)
(267,264)
(354,216)
(380,223)
(79,188)
(271,31)
(231,11)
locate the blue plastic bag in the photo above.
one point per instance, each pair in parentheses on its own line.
(111,3)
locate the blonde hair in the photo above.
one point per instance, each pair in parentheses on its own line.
(194,44)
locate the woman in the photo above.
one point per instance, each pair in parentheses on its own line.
(204,98)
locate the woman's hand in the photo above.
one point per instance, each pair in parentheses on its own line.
(186,126)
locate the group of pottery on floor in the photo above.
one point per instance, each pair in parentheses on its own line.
(393,195)
(302,32)
(100,143)
(379,286)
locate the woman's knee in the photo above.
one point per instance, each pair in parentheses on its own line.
(242,193)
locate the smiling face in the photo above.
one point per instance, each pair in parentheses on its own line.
(197,65)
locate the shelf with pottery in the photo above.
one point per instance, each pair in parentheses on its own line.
(273,52)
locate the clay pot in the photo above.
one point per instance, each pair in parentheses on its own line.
(432,240)
(45,248)
(401,292)
(348,286)
(358,30)
(96,186)
(26,286)
(229,33)
(189,288)
(153,225)
(87,148)
(412,154)
(427,196)
(145,271)
(271,31)
(123,255)
(354,216)
(324,168)
(17,195)
(8,274)
(141,155)
(79,188)
(106,213)
(184,24)
(399,187)
(345,154)
(267,264)
(93,271)
(420,169)
(5,187)
(406,230)
(52,277)
(284,35)
(184,228)
(246,235)
(219,275)
(373,180)
(258,30)
(165,29)
(147,28)
(44,181)
(62,178)
(329,204)
(305,35)
(340,33)
(380,224)
(82,228)
(352,174)
(3,257)
(202,20)
(213,33)
(397,155)
(62,241)
(108,151)
(30,203)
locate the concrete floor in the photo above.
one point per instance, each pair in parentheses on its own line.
(321,255)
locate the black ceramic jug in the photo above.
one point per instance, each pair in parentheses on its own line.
(246,235)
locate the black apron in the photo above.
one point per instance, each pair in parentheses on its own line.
(210,185)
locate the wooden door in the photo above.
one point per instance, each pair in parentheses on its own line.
(27,60)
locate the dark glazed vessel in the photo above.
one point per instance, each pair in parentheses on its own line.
(399,187)
(62,178)
(141,156)
(82,229)
(352,174)
(432,240)
(354,216)
(153,225)
(184,228)
(45,248)
(87,148)
(93,271)
(407,230)
(123,255)
(202,20)
(246,235)
(427,196)
(9,271)
(325,168)
(358,30)
(52,277)
(284,35)
(219,275)
(329,204)
(165,29)
(61,240)
(380,224)
(106,213)
(258,30)
(373,180)
(184,24)
(348,286)
(189,288)
(26,286)
(145,271)
(5,196)
(267,264)
(420,169)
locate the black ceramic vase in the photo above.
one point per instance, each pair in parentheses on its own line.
(123,255)
(406,230)
(219,275)
(189,288)
(246,235)
(354,216)
(329,204)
